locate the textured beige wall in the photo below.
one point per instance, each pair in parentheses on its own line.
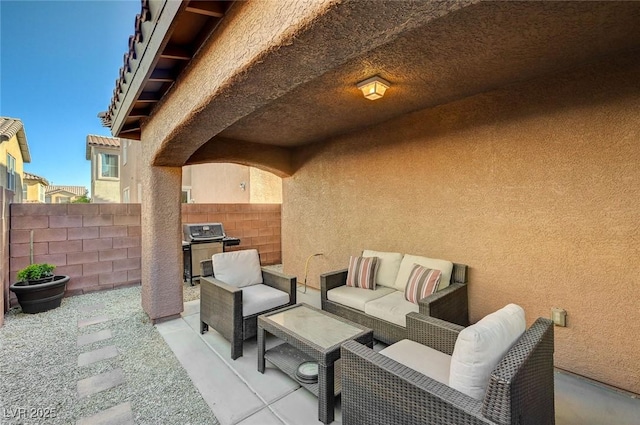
(535,187)
(219,183)
(265,187)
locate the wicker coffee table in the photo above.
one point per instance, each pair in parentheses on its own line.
(310,335)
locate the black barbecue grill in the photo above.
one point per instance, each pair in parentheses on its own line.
(199,242)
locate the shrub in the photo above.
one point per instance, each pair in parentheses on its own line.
(35,271)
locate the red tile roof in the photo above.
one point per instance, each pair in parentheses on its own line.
(75,190)
(29,176)
(101,141)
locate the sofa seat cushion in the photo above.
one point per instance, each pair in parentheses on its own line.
(392,308)
(237,268)
(480,347)
(408,261)
(420,358)
(259,298)
(356,297)
(388,265)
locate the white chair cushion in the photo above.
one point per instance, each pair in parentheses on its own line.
(446,267)
(392,308)
(420,358)
(388,266)
(259,298)
(356,297)
(238,268)
(480,347)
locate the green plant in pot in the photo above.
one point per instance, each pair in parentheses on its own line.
(36,273)
(38,289)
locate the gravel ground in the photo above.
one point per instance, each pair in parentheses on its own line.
(38,365)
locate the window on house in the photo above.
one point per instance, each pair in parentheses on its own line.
(125,196)
(11,172)
(24,192)
(63,200)
(109,166)
(186,195)
(41,193)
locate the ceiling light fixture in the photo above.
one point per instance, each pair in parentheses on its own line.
(373,88)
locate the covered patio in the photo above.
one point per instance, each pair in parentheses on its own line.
(506,141)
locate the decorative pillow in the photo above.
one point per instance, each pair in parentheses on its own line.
(388,265)
(362,272)
(238,268)
(406,266)
(422,282)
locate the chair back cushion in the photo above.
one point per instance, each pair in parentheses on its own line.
(388,265)
(480,347)
(237,268)
(406,267)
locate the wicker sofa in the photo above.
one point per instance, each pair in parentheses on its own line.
(233,309)
(449,304)
(377,389)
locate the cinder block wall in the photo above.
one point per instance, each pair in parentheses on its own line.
(97,245)
(257,225)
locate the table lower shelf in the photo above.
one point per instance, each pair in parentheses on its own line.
(287,358)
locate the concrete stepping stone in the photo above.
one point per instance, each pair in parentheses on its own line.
(116,415)
(102,382)
(92,321)
(97,355)
(90,308)
(94,337)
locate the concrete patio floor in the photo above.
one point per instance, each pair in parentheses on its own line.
(238,394)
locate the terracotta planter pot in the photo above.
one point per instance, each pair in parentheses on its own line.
(36,298)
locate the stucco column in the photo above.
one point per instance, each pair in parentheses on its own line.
(161,242)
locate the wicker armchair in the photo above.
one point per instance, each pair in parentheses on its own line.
(379,390)
(221,305)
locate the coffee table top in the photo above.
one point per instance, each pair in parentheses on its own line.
(324,330)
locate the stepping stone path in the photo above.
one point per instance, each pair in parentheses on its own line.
(92,386)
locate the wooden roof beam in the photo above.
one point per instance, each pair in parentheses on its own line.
(146,97)
(208,8)
(176,52)
(162,75)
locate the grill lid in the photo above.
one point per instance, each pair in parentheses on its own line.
(201,232)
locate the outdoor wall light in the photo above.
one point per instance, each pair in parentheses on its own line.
(373,88)
(243,186)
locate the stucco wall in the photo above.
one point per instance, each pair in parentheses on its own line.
(536,187)
(104,190)
(12,147)
(265,187)
(218,183)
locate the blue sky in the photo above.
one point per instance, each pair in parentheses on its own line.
(58,64)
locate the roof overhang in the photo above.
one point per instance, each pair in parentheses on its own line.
(303,90)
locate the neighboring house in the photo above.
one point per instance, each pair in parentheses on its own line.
(104,154)
(64,194)
(34,188)
(222,183)
(14,152)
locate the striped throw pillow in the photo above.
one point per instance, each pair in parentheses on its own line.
(422,283)
(362,272)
